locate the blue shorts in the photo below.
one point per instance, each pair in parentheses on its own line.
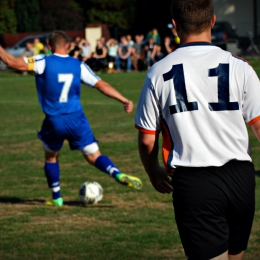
(74,127)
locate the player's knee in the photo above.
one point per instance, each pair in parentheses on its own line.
(91,153)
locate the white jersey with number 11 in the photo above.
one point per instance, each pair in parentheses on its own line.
(200,97)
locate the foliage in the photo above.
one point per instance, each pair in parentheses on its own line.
(28,15)
(61,15)
(112,12)
(8,19)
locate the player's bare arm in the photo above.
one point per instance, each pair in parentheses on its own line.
(111,92)
(148,150)
(11,61)
(256,129)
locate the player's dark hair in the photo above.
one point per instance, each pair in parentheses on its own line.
(57,38)
(193,16)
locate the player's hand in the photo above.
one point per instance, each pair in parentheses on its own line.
(128,106)
(161,181)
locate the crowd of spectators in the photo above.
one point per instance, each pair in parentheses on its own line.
(126,54)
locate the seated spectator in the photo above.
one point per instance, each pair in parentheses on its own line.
(155,35)
(74,50)
(45,51)
(29,50)
(99,56)
(37,45)
(129,39)
(86,50)
(150,51)
(124,54)
(112,46)
(137,54)
(103,40)
(165,48)
(77,40)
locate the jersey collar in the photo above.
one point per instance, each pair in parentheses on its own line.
(60,55)
(196,44)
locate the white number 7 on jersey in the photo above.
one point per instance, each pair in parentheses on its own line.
(67,79)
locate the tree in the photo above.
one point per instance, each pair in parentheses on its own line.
(28,15)
(8,20)
(61,15)
(118,13)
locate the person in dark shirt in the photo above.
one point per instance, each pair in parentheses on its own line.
(165,48)
(99,56)
(124,54)
(150,51)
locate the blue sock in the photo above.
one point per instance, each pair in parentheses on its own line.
(104,164)
(52,173)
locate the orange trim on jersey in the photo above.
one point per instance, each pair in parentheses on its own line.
(151,132)
(167,144)
(254,120)
(31,62)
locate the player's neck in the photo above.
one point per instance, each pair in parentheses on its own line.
(61,51)
(202,37)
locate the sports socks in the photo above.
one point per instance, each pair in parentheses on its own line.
(104,164)
(52,173)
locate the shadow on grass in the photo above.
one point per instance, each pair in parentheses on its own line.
(36,202)
(257,173)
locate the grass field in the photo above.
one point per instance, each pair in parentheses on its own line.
(125,225)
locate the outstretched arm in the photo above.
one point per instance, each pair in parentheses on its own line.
(111,92)
(11,61)
(256,129)
(148,150)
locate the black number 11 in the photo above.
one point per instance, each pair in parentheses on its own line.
(183,105)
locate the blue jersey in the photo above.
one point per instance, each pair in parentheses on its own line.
(58,81)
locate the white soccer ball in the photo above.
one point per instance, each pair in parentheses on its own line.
(90,192)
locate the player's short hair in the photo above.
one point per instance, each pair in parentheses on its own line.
(57,38)
(193,16)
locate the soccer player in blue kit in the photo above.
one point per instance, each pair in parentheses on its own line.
(58,81)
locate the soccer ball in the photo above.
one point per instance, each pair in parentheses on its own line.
(90,192)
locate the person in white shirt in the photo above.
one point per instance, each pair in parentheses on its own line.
(86,50)
(200,97)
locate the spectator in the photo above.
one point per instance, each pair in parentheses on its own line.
(150,50)
(137,54)
(29,50)
(74,50)
(112,46)
(45,51)
(99,56)
(103,40)
(124,54)
(86,50)
(155,35)
(165,48)
(37,45)
(129,39)
(77,40)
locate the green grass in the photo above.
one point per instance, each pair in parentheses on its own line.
(125,225)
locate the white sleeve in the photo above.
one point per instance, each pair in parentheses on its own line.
(251,106)
(36,63)
(87,76)
(147,118)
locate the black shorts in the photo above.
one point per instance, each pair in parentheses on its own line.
(214,208)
